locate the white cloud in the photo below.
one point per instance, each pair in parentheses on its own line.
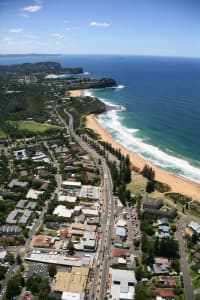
(99,24)
(15,30)
(57,35)
(32,8)
(72,28)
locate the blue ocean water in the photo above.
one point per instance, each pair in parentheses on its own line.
(158,105)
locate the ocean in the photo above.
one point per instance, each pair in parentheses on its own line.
(156,105)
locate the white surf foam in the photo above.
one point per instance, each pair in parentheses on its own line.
(120,86)
(111,120)
(87,93)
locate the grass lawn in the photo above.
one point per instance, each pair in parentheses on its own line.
(138,184)
(33,126)
(2,134)
(195,280)
(47,231)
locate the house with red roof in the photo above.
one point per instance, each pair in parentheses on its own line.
(165,293)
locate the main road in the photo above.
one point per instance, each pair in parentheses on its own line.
(189,292)
(98,289)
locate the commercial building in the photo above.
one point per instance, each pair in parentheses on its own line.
(33,194)
(122,284)
(62,211)
(20,154)
(43,241)
(72,296)
(90,212)
(53,257)
(90,192)
(67,198)
(66,185)
(72,282)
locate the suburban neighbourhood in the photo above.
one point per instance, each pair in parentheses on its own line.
(77,219)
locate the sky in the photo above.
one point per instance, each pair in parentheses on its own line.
(142,27)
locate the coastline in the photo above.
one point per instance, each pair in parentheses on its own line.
(177,184)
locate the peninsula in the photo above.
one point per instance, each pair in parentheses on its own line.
(45,67)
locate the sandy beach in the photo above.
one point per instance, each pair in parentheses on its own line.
(74,93)
(178,184)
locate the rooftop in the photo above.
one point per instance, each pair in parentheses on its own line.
(71,296)
(117,252)
(62,211)
(42,241)
(33,194)
(67,184)
(91,192)
(75,281)
(195,226)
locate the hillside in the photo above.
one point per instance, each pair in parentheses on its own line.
(39,67)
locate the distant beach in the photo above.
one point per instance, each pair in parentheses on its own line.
(74,93)
(178,184)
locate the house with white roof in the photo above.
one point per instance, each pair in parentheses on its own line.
(122,285)
(194,226)
(62,211)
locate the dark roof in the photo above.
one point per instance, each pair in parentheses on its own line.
(172,213)
(152,204)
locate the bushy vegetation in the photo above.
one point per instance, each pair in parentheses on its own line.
(48,66)
(38,287)
(153,184)
(148,172)
(81,106)
(179,198)
(14,286)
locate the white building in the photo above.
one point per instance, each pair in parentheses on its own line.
(194,226)
(67,198)
(90,192)
(33,194)
(90,212)
(72,296)
(62,211)
(123,284)
(67,185)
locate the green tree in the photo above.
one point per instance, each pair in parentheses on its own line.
(44,290)
(18,259)
(138,273)
(10,258)
(3,271)
(70,247)
(52,269)
(150,187)
(14,287)
(142,292)
(33,284)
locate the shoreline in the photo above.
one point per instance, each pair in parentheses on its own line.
(178,184)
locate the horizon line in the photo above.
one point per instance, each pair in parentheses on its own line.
(98,54)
